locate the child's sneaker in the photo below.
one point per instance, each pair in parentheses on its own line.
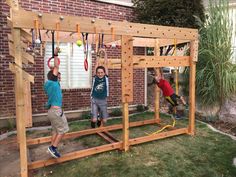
(93,124)
(186,106)
(53,151)
(178,117)
(99,122)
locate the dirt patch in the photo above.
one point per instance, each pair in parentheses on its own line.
(225,127)
(9,153)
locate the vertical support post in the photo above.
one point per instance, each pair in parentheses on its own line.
(20,104)
(125,122)
(192,78)
(19,96)
(126,84)
(28,107)
(157,89)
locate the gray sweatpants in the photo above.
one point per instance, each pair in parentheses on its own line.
(99,106)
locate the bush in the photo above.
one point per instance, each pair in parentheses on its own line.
(141,108)
(116,112)
(86,115)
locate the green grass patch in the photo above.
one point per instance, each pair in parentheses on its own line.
(204,155)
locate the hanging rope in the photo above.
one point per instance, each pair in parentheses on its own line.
(176,70)
(53,44)
(85,43)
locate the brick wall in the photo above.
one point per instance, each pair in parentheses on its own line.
(75,98)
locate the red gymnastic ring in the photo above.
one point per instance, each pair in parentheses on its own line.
(50,60)
(86,64)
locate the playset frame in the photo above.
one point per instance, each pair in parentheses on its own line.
(153,36)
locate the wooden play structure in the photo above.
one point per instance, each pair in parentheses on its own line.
(127,35)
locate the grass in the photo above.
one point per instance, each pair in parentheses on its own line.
(208,154)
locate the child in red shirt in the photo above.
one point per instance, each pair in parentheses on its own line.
(168,91)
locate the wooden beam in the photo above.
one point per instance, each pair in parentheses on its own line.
(104,136)
(110,136)
(25,56)
(28,105)
(75,155)
(15,69)
(125,132)
(13,4)
(25,19)
(158,136)
(89,132)
(127,69)
(20,107)
(157,89)
(140,61)
(149,42)
(12,53)
(26,35)
(192,78)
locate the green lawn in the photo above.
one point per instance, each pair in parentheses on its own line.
(207,154)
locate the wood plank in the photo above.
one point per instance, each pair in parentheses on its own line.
(12,53)
(9,22)
(110,136)
(13,3)
(25,19)
(89,132)
(127,69)
(125,131)
(20,109)
(158,136)
(149,42)
(140,61)
(28,57)
(192,78)
(157,89)
(28,105)
(75,155)
(26,35)
(15,69)
(105,137)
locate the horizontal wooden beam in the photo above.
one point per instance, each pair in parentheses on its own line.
(25,56)
(141,61)
(14,69)
(160,61)
(75,155)
(89,132)
(25,19)
(105,137)
(158,136)
(149,42)
(104,148)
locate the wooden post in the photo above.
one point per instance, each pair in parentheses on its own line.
(127,84)
(125,126)
(28,106)
(20,104)
(157,89)
(192,76)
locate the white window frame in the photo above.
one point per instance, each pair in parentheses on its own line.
(68,68)
(122,3)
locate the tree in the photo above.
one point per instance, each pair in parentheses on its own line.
(179,13)
(215,75)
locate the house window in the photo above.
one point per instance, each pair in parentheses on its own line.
(119,2)
(73,74)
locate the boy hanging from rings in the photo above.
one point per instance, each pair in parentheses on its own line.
(100,92)
(168,92)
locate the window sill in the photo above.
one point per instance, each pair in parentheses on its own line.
(117,2)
